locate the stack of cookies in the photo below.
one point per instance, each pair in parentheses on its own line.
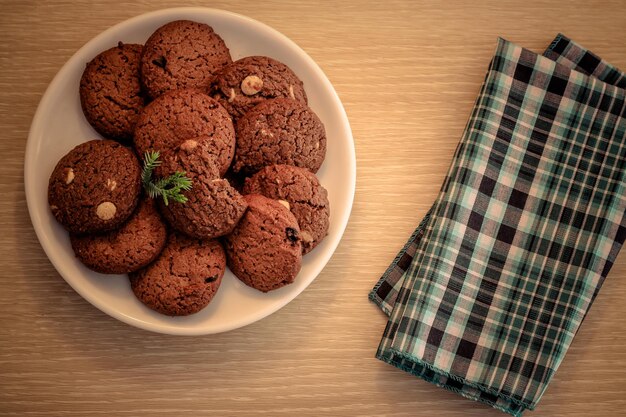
(240,131)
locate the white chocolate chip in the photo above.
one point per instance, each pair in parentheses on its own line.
(291,92)
(251,85)
(53,207)
(306,236)
(266,133)
(106,210)
(111,184)
(188,145)
(232,95)
(69,176)
(317,145)
(220,182)
(285,203)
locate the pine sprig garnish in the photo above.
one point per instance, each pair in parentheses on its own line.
(169,188)
(150,162)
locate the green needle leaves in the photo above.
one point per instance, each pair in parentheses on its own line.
(170,188)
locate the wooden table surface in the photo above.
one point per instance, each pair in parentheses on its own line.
(407,73)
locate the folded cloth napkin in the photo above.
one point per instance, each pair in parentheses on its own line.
(489,291)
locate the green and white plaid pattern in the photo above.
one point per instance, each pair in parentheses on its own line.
(562,50)
(489,292)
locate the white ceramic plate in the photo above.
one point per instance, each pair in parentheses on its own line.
(59,125)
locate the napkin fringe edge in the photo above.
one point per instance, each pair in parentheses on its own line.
(556,40)
(376,299)
(373,296)
(407,356)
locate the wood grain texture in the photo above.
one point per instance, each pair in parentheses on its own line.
(407,73)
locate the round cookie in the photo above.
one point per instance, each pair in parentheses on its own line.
(183,279)
(264,250)
(279,131)
(131,247)
(184,114)
(110,92)
(182,54)
(248,81)
(300,191)
(213,207)
(95,187)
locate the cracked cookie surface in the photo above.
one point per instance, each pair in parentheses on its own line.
(183,279)
(110,92)
(182,54)
(95,187)
(301,192)
(251,80)
(213,207)
(279,131)
(131,247)
(264,250)
(185,114)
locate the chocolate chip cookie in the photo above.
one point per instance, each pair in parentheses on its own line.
(264,250)
(95,187)
(183,279)
(184,114)
(247,82)
(279,131)
(213,207)
(110,92)
(301,192)
(182,54)
(131,247)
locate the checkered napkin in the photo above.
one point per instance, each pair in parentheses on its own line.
(489,291)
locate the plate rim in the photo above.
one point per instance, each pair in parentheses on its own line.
(172,329)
